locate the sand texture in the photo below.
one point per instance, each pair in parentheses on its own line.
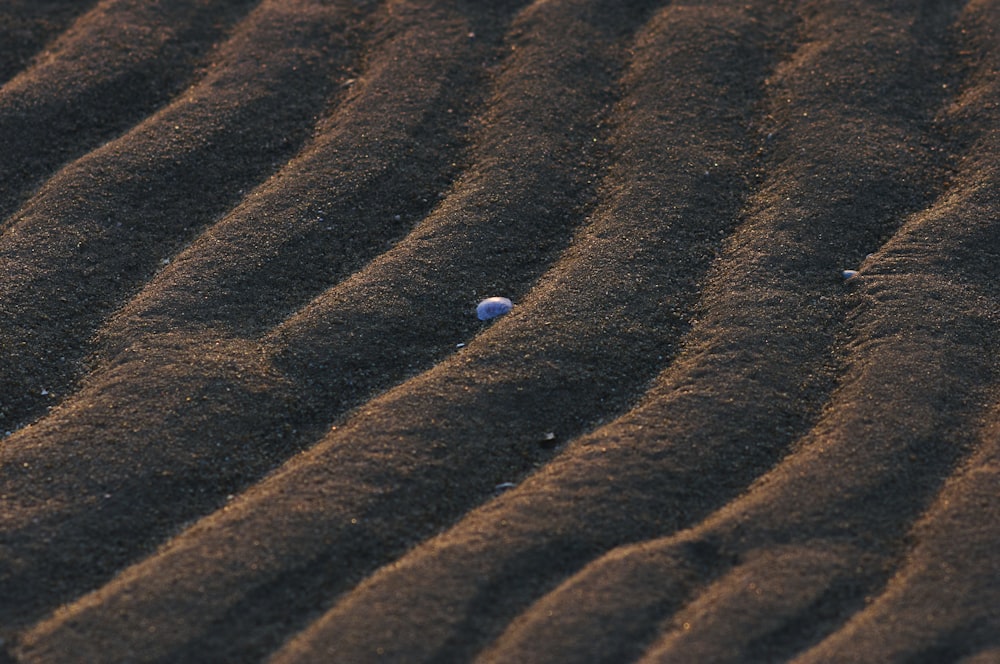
(248,413)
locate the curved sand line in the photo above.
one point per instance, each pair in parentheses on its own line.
(265,424)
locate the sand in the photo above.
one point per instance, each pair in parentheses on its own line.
(248,412)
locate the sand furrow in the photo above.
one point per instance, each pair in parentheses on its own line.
(699,469)
(27,26)
(920,370)
(494,231)
(489,381)
(942,603)
(70,96)
(251,416)
(490,564)
(106,227)
(172,380)
(852,490)
(690,445)
(932,369)
(102,236)
(357,186)
(491,185)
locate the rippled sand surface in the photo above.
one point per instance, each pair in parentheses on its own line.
(248,412)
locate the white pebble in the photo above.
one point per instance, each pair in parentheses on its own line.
(492,307)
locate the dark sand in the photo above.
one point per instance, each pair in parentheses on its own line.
(248,413)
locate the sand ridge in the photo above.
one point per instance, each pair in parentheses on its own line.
(253,416)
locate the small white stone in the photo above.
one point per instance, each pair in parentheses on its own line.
(492,307)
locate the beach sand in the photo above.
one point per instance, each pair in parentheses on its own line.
(248,412)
